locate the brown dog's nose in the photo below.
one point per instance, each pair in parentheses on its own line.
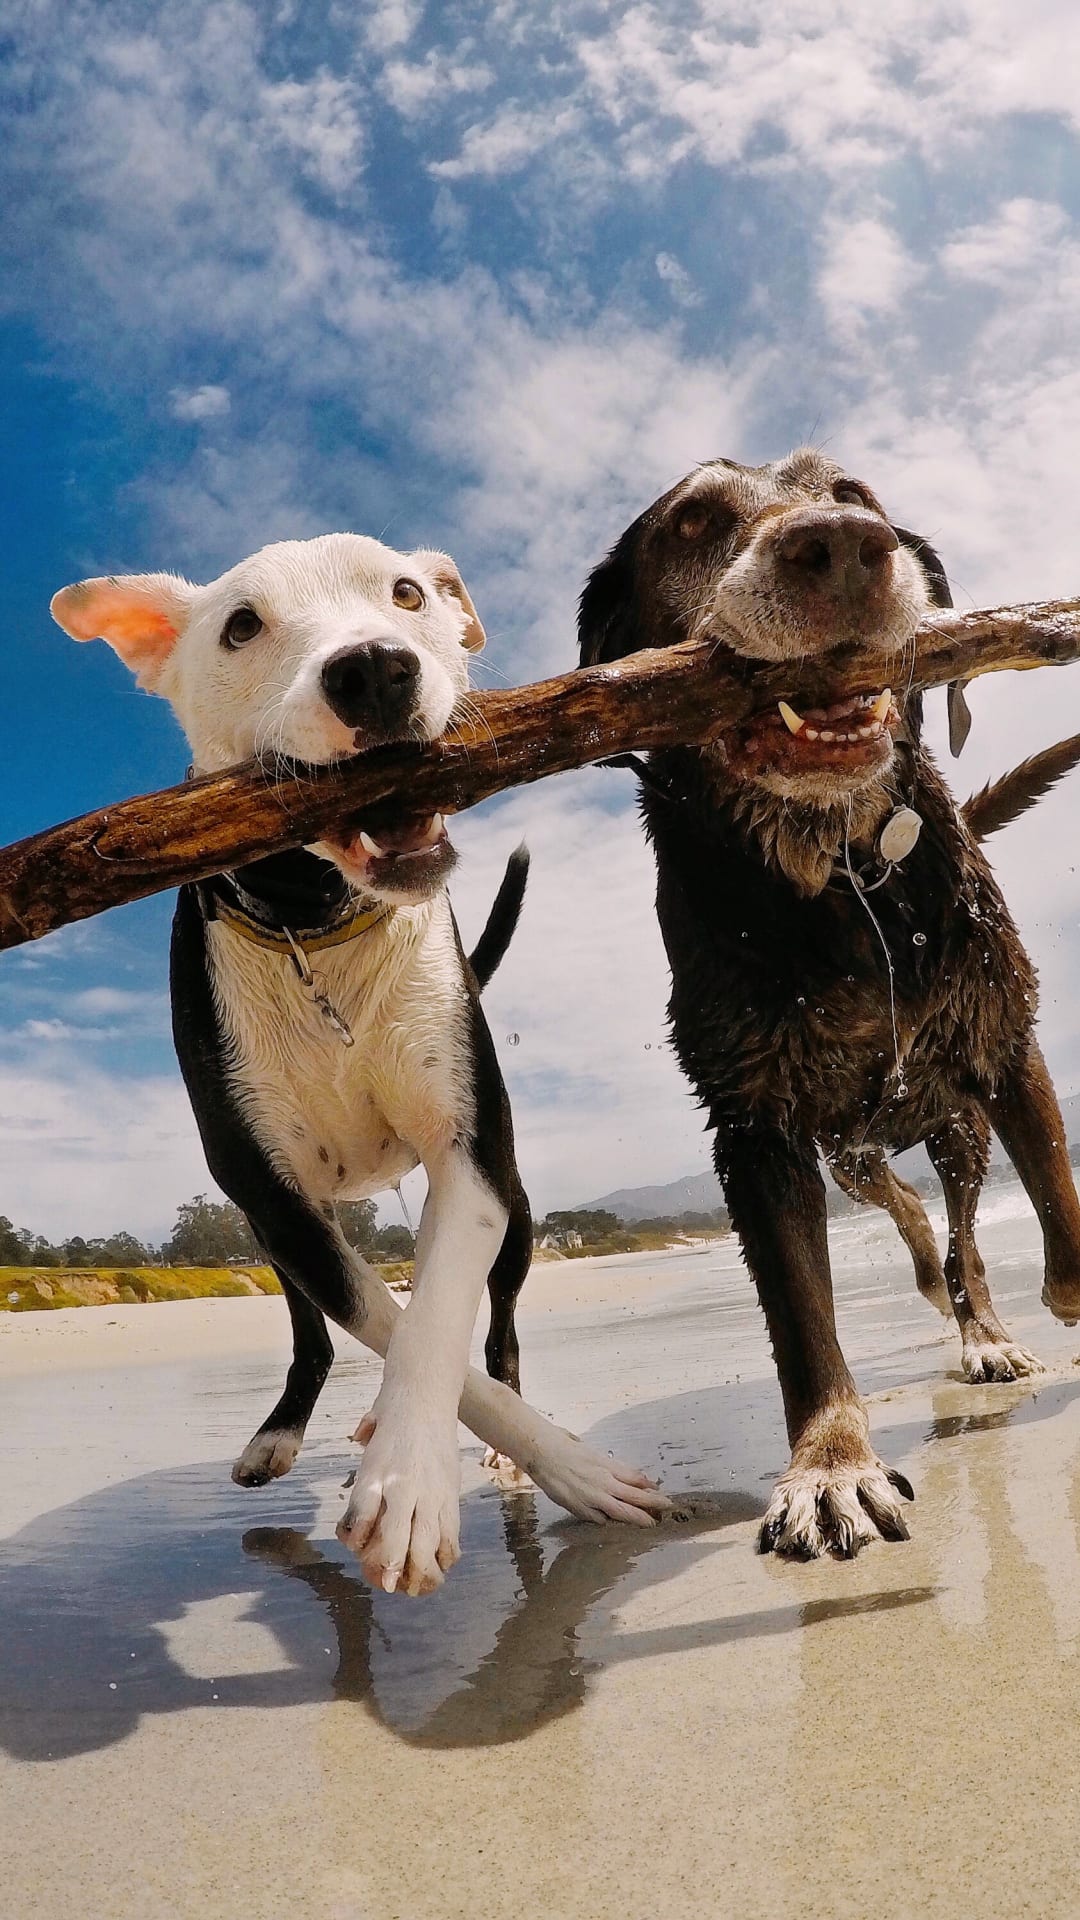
(372,685)
(839,547)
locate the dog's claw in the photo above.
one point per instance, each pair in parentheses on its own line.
(986,1359)
(835,1510)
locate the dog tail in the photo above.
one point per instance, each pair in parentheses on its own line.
(1004,800)
(503,918)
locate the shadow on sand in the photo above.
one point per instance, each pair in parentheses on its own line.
(94,1596)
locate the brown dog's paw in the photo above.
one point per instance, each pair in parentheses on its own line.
(1063,1300)
(841,1510)
(989,1357)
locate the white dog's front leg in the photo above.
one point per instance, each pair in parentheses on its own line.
(402,1518)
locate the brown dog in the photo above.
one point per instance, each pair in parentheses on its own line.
(834,986)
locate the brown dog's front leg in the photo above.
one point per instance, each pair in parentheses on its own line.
(836,1494)
(1027,1119)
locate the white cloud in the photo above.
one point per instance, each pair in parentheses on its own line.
(678,281)
(91,1152)
(554,418)
(318,121)
(866,274)
(47,1030)
(1023,238)
(413,87)
(132,1003)
(597,1097)
(745,82)
(391,23)
(510,139)
(200,403)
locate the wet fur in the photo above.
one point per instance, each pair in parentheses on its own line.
(780,1008)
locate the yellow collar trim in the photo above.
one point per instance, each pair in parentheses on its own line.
(314,942)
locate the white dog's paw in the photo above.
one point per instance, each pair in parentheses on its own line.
(402,1516)
(839,1510)
(985,1358)
(267,1456)
(594,1486)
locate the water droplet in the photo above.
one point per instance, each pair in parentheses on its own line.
(918,939)
(513,1039)
(648,1046)
(801,1000)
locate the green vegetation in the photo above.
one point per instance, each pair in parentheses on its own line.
(575,1234)
(34,1289)
(26,1289)
(207,1233)
(211,1254)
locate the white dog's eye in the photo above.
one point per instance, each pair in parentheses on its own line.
(408,595)
(241,626)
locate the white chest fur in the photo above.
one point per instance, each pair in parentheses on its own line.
(344,1122)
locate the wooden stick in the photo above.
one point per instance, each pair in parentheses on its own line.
(660,698)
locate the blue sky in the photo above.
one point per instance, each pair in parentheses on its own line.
(490,276)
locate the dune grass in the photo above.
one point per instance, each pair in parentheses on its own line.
(27,1289)
(38,1289)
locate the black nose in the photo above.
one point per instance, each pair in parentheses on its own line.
(835,547)
(372,685)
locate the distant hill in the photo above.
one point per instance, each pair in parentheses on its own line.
(694,1193)
(701,1192)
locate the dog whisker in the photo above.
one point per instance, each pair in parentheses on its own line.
(468,709)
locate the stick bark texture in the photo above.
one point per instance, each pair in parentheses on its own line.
(688,693)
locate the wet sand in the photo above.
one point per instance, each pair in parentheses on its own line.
(203,1712)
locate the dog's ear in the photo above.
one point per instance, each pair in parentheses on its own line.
(141,615)
(441,569)
(929,559)
(937,581)
(608,625)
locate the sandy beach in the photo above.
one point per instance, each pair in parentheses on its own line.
(204,1712)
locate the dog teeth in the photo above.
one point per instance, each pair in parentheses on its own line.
(881,705)
(435,830)
(812,733)
(790,718)
(370,846)
(827,734)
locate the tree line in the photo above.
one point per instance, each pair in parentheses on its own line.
(595,1229)
(214,1233)
(206,1233)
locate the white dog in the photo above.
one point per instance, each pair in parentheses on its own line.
(329,1028)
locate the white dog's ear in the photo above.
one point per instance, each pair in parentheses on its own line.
(141,615)
(440,568)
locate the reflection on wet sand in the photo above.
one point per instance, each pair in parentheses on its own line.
(93,1592)
(87,1659)
(580,1723)
(954,1739)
